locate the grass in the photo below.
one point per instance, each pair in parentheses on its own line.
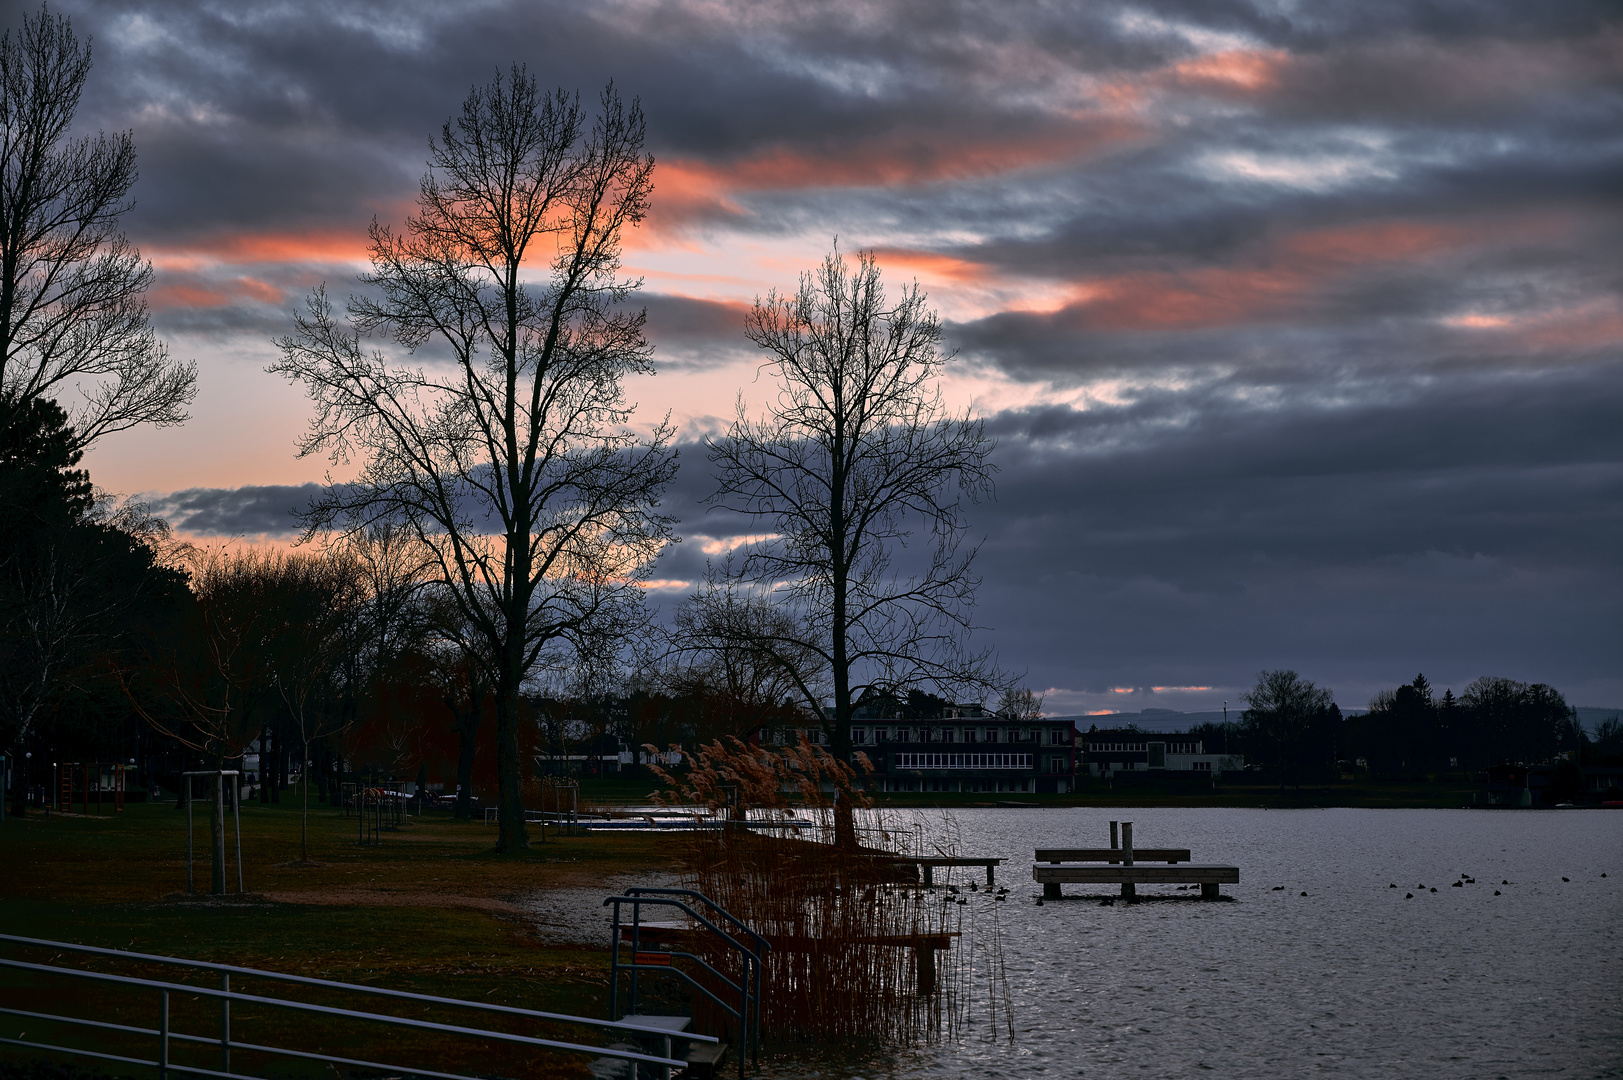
(432,910)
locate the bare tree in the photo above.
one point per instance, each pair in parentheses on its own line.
(73,310)
(856,453)
(1021,704)
(512,463)
(744,653)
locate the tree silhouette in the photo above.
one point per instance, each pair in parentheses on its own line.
(511,463)
(73,311)
(855,454)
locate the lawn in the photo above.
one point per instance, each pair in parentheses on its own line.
(431,909)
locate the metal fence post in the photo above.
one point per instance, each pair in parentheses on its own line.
(236,819)
(163,1035)
(225,1023)
(187,780)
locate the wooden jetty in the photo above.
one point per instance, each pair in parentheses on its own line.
(1122,865)
(929,862)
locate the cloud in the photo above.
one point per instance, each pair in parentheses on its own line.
(260,510)
(1299,330)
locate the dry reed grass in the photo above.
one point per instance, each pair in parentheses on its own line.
(860,950)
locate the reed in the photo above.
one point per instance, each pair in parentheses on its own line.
(860,950)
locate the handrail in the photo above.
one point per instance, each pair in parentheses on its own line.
(328,984)
(165,1034)
(749,1033)
(639,890)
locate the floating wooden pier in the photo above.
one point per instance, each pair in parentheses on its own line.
(1126,867)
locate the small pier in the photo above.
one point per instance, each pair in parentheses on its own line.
(1120,864)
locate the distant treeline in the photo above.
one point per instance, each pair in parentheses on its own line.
(1295,727)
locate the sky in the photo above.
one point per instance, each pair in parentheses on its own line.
(1299,326)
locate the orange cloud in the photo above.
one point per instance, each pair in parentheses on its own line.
(685,186)
(1277,279)
(334,245)
(1242,72)
(902,262)
(193,295)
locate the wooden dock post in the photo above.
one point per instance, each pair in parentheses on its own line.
(1129,891)
(1113,844)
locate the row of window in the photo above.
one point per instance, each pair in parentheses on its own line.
(1140,748)
(963,761)
(862,736)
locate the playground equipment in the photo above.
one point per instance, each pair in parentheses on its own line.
(219,810)
(105,778)
(378,808)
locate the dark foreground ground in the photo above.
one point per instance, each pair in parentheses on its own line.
(432,909)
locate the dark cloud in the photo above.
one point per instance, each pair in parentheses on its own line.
(262,510)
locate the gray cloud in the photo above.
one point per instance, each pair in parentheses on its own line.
(267,509)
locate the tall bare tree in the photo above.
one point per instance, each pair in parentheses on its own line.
(73,314)
(857,452)
(512,462)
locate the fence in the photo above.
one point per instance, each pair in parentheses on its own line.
(180,1052)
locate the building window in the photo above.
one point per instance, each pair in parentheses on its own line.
(859,735)
(991,734)
(963,761)
(947,735)
(969,734)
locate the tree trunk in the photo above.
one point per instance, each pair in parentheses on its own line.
(467,743)
(512,835)
(217,833)
(304,811)
(264,763)
(279,769)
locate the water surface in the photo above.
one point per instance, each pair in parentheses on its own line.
(1351,980)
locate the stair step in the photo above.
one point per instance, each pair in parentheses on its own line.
(704,1059)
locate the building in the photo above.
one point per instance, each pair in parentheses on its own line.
(964,749)
(1108,752)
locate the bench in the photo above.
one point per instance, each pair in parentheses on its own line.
(1125,866)
(1207,877)
(1111,855)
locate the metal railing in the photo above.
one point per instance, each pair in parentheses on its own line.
(166,1035)
(747,1014)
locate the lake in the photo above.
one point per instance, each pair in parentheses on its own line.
(1350,980)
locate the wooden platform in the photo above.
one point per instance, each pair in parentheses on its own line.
(1207,877)
(930,862)
(1104,854)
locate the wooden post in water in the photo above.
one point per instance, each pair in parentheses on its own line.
(1128,891)
(1113,844)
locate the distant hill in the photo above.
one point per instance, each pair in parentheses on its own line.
(1157,720)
